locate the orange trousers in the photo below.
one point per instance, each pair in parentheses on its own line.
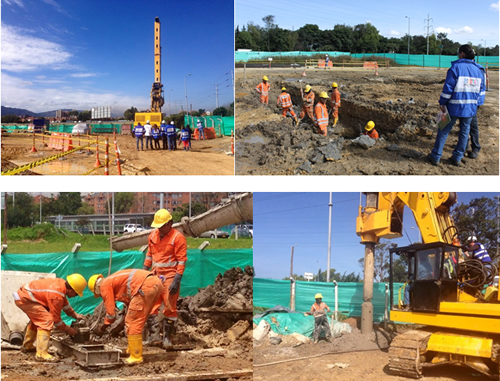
(285,109)
(335,112)
(322,130)
(40,318)
(308,111)
(141,305)
(264,99)
(169,301)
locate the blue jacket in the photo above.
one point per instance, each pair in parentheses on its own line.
(185,135)
(163,130)
(139,131)
(170,130)
(465,81)
(481,254)
(156,133)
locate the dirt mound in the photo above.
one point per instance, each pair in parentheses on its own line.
(402,102)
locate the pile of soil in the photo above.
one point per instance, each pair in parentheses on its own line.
(402,102)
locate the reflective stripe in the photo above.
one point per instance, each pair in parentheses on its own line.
(463,101)
(285,100)
(110,317)
(68,307)
(148,257)
(16,296)
(58,324)
(33,297)
(168,264)
(129,281)
(447,96)
(482,253)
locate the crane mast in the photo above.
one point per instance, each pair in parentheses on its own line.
(157,100)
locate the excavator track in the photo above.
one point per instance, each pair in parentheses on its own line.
(406,351)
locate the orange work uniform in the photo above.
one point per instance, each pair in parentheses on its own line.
(263,89)
(43,300)
(167,257)
(136,288)
(285,102)
(321,117)
(308,105)
(372,134)
(335,99)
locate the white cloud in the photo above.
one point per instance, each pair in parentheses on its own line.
(394,33)
(83,75)
(443,30)
(495,6)
(22,52)
(465,30)
(19,3)
(57,6)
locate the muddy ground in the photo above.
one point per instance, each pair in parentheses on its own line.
(267,144)
(351,357)
(221,342)
(207,157)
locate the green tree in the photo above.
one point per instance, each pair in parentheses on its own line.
(366,38)
(129,114)
(11,118)
(344,35)
(380,261)
(69,202)
(20,210)
(85,209)
(245,40)
(201,111)
(84,115)
(73,113)
(222,111)
(308,37)
(123,202)
(183,211)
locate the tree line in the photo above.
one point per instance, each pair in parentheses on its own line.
(362,38)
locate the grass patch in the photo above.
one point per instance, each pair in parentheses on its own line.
(44,238)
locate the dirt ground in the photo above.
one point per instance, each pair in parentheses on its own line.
(207,157)
(267,144)
(366,359)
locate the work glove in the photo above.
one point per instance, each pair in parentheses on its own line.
(145,268)
(69,330)
(79,317)
(100,330)
(176,283)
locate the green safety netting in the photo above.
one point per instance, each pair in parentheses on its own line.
(285,323)
(269,293)
(224,124)
(201,269)
(106,128)
(402,59)
(14,128)
(62,128)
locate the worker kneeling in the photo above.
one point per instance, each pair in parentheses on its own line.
(370,130)
(43,300)
(318,310)
(139,290)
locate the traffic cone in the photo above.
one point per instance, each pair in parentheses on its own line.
(33,149)
(304,73)
(97,162)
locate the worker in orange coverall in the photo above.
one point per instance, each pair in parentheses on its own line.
(43,300)
(263,89)
(167,257)
(370,130)
(308,105)
(321,114)
(136,288)
(335,102)
(285,101)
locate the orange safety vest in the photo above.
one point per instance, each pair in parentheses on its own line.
(263,88)
(167,256)
(320,115)
(309,102)
(121,286)
(50,293)
(284,100)
(372,134)
(335,98)
(319,309)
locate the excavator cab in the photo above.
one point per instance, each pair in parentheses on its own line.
(431,273)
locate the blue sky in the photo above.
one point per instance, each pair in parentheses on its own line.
(82,54)
(462,20)
(283,220)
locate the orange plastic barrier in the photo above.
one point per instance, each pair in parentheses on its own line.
(61,142)
(370,65)
(322,63)
(209,133)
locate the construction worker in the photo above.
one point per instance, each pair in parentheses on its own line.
(263,89)
(321,114)
(335,102)
(327,61)
(285,102)
(370,130)
(171,135)
(163,133)
(139,290)
(186,137)
(318,310)
(155,132)
(139,135)
(308,103)
(201,132)
(43,300)
(476,250)
(166,256)
(148,134)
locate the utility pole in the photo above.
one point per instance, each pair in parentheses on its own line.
(408,40)
(216,97)
(428,19)
(329,238)
(292,302)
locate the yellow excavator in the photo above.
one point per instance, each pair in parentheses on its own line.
(448,295)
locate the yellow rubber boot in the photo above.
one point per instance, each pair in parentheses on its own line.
(335,121)
(29,340)
(42,346)
(135,347)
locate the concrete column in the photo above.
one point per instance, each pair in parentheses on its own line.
(367,306)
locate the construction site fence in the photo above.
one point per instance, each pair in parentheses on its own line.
(201,269)
(421,60)
(223,125)
(270,292)
(98,128)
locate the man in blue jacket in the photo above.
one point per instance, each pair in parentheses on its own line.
(139,135)
(171,135)
(461,93)
(474,129)
(163,131)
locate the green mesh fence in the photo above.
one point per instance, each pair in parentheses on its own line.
(222,124)
(201,269)
(269,293)
(102,128)
(14,128)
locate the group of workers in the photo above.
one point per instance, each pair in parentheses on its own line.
(142,290)
(319,113)
(167,133)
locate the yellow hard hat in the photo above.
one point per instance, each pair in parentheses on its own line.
(92,281)
(161,218)
(369,126)
(265,78)
(323,94)
(77,283)
(334,84)
(308,88)
(283,88)
(318,296)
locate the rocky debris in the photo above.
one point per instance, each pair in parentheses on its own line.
(412,154)
(393,147)
(364,141)
(306,167)
(333,150)
(275,340)
(238,330)
(261,330)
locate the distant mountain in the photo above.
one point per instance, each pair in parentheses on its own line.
(22,111)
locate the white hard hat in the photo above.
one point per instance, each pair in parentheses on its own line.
(147,121)
(163,121)
(172,122)
(472,238)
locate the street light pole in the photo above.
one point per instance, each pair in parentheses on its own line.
(408,40)
(185,91)
(484,47)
